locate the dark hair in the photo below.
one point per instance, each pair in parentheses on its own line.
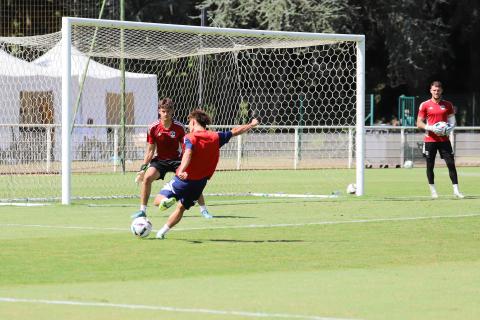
(436,84)
(165,103)
(201,117)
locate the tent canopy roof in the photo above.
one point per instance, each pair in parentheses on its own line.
(52,60)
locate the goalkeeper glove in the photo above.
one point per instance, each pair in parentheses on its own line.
(449,129)
(437,131)
(141,173)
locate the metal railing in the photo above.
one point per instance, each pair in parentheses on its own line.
(289,147)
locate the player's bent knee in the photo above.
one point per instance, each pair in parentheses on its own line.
(158,199)
(181,207)
(149,179)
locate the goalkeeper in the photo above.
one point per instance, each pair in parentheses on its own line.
(163,154)
(436,138)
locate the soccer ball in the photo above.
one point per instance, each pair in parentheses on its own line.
(408,164)
(352,188)
(442,126)
(141,227)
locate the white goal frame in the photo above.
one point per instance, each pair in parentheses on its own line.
(68,22)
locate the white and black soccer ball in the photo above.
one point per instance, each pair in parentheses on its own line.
(352,188)
(141,227)
(442,125)
(408,164)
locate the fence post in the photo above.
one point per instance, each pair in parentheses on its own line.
(402,146)
(49,147)
(296,148)
(115,149)
(350,148)
(239,152)
(473,107)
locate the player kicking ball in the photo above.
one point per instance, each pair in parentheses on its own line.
(199,161)
(430,113)
(163,154)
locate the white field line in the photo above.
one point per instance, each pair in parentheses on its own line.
(282,225)
(46,226)
(23,204)
(170,309)
(255,226)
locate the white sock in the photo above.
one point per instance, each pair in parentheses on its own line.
(432,188)
(143,208)
(163,231)
(455,188)
(203,208)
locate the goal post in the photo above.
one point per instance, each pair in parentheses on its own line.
(66,110)
(307,89)
(360,125)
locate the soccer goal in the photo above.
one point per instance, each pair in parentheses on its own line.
(78,105)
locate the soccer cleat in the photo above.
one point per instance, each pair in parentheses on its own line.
(458,195)
(138,214)
(160,236)
(166,203)
(206,214)
(434,195)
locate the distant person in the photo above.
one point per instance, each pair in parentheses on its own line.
(394,122)
(381,122)
(408,118)
(429,113)
(163,154)
(199,161)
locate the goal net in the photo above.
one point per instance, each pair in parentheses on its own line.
(73,125)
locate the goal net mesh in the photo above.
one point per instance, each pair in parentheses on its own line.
(303,90)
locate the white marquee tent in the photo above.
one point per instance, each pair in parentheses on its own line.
(100,83)
(35,87)
(23,86)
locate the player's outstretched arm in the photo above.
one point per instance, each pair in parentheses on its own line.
(244,128)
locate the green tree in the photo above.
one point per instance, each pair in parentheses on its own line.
(286,15)
(464,64)
(407,39)
(169,11)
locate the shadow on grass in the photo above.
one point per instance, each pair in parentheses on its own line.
(238,241)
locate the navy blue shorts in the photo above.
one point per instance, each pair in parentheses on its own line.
(186,191)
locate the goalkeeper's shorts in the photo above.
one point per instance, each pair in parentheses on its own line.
(444,148)
(164,166)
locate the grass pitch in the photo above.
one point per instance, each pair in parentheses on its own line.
(393,254)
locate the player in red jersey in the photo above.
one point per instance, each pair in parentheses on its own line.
(163,154)
(429,113)
(199,161)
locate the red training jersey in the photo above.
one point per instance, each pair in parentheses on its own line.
(434,112)
(206,153)
(168,140)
